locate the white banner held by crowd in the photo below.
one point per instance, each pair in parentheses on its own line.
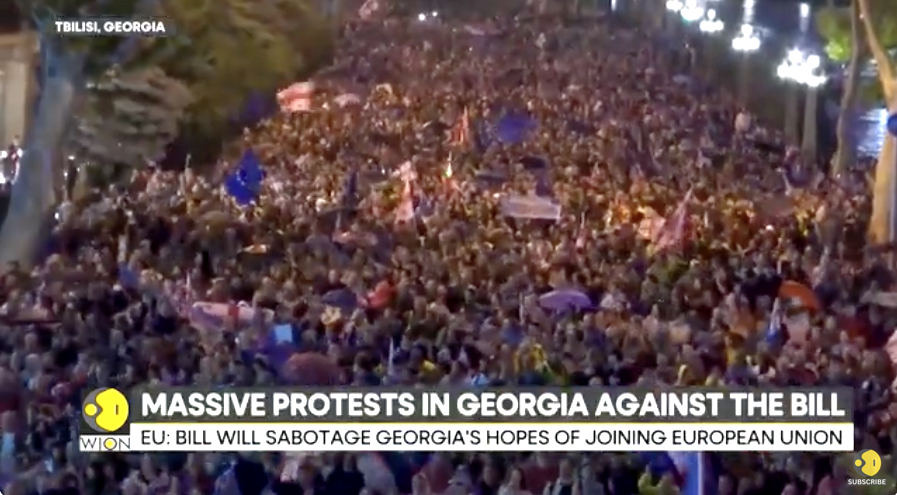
(534,207)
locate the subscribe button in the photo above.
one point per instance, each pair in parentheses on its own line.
(867,464)
(105,410)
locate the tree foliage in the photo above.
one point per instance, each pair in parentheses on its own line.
(128,118)
(223,52)
(240,47)
(833,24)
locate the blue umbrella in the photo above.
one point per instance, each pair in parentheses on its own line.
(565,299)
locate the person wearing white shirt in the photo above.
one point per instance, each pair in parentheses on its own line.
(514,484)
(743,122)
(567,482)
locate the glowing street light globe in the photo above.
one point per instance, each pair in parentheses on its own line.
(691,12)
(804,69)
(747,40)
(675,5)
(711,24)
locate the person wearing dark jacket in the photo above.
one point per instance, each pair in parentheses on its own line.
(344,479)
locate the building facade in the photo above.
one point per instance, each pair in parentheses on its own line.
(18,55)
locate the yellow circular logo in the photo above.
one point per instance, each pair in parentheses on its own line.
(867,463)
(105,410)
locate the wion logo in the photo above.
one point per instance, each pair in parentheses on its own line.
(104,422)
(867,464)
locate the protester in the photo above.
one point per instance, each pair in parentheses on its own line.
(502,201)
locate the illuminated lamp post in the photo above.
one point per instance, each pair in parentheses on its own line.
(675,6)
(804,69)
(746,43)
(691,11)
(711,23)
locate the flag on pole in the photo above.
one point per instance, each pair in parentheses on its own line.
(581,232)
(297,97)
(774,328)
(450,183)
(822,268)
(674,228)
(406,172)
(391,360)
(180,295)
(461,129)
(696,473)
(405,210)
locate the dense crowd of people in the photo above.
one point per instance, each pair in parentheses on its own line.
(454,290)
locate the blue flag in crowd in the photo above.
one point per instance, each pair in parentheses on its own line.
(243,184)
(774,329)
(483,137)
(127,277)
(238,190)
(514,129)
(250,170)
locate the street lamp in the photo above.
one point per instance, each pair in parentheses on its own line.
(691,12)
(747,40)
(745,43)
(802,68)
(711,24)
(675,5)
(805,69)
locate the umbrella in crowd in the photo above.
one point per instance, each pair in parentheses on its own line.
(565,299)
(310,369)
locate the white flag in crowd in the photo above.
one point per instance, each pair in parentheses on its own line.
(406,172)
(674,228)
(347,99)
(297,97)
(405,210)
(369,9)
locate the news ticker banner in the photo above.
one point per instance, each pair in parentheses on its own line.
(112,26)
(535,419)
